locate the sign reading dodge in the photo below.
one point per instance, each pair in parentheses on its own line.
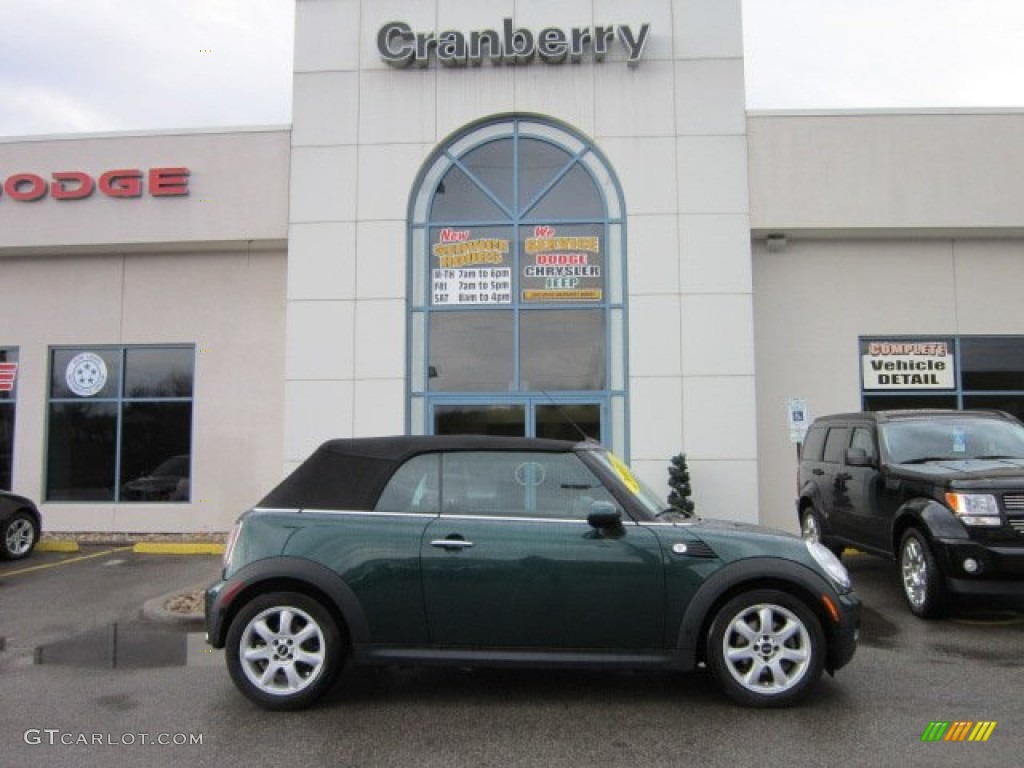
(400,47)
(77,185)
(908,365)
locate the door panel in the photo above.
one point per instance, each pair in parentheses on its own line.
(551,584)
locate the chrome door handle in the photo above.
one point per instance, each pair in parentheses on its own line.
(455,544)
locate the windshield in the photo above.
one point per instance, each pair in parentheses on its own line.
(651,501)
(921,440)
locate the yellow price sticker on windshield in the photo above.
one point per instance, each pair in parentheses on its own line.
(625,473)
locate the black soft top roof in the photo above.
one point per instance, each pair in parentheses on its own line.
(351,473)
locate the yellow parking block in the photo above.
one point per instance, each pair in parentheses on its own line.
(56,545)
(178,548)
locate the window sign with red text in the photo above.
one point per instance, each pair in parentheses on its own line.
(563,264)
(470,267)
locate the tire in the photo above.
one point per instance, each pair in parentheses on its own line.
(766,648)
(924,586)
(810,529)
(284,650)
(20,534)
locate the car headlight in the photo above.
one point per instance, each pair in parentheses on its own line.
(830,564)
(975,508)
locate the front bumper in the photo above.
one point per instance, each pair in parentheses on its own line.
(846,633)
(997,569)
(214,615)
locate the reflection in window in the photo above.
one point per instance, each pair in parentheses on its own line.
(8,391)
(543,485)
(471,351)
(563,350)
(502,420)
(414,487)
(120,424)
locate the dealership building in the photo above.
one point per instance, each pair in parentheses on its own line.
(507,217)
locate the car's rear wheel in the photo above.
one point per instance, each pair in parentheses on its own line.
(766,648)
(284,650)
(20,534)
(923,583)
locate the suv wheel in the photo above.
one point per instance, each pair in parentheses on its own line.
(923,584)
(19,536)
(284,650)
(765,648)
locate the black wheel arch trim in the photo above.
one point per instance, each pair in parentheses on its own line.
(275,574)
(937,521)
(751,573)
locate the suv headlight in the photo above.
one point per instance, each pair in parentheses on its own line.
(830,564)
(975,508)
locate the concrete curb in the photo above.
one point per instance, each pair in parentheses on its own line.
(156,610)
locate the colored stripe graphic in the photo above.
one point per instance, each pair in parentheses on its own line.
(958,730)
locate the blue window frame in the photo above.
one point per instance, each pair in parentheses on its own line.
(517,294)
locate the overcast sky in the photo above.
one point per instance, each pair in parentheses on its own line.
(69,66)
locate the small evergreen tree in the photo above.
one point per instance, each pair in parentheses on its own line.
(681,494)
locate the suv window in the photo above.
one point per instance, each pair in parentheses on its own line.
(549,485)
(838,439)
(863,440)
(813,444)
(413,487)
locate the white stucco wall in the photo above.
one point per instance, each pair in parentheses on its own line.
(673,129)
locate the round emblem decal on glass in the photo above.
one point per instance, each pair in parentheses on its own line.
(86,374)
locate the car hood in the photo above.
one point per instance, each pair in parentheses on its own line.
(965,470)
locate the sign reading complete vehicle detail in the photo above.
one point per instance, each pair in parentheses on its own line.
(907,365)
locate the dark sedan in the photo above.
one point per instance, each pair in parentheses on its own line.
(20,523)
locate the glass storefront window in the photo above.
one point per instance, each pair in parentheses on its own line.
(517,290)
(120,424)
(8,392)
(944,372)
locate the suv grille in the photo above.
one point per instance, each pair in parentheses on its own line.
(1013,503)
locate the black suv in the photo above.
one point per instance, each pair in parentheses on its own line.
(942,491)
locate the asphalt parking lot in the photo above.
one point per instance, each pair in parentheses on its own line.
(88,681)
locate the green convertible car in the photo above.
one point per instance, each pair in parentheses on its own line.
(494,551)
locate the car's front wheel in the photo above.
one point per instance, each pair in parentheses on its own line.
(19,536)
(284,650)
(923,584)
(765,648)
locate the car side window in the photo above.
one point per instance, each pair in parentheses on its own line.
(414,487)
(863,440)
(813,444)
(837,441)
(505,484)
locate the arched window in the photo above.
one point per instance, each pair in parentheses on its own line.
(517,322)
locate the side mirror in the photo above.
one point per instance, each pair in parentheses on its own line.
(604,514)
(858,457)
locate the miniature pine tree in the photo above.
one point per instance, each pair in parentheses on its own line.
(680,495)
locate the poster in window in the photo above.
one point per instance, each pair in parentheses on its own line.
(907,364)
(562,265)
(470,267)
